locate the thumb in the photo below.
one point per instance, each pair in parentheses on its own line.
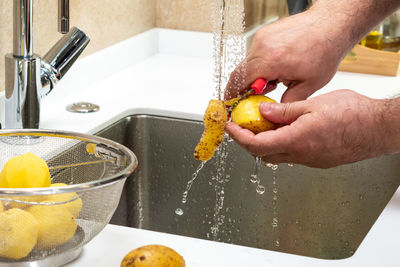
(282,113)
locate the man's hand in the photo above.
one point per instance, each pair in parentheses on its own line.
(325,131)
(303,51)
(292,51)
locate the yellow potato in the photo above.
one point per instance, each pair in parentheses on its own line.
(153,256)
(18,233)
(25,171)
(247,115)
(18,205)
(56,224)
(74,207)
(215,119)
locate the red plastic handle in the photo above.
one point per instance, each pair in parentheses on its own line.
(258,86)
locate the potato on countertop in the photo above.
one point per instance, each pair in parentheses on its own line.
(153,256)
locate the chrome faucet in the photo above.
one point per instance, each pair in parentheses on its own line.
(29,77)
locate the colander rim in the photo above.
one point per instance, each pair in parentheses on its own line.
(75,187)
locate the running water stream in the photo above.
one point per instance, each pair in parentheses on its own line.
(229,51)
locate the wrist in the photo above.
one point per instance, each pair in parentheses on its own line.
(346,22)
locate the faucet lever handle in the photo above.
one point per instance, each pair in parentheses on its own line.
(63,16)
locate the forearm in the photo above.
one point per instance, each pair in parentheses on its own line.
(345,22)
(389,124)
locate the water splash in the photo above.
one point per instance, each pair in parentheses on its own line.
(190,182)
(179,211)
(255,176)
(275,191)
(219,188)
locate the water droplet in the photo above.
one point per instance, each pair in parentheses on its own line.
(268,165)
(277,244)
(275,190)
(214,230)
(253,178)
(274,222)
(179,211)
(260,189)
(290,164)
(274,167)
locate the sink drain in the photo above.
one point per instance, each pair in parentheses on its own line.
(83,107)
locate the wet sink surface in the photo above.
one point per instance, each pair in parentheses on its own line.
(320,213)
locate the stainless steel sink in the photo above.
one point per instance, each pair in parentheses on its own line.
(321,213)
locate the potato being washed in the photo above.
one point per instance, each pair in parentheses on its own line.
(247,115)
(215,119)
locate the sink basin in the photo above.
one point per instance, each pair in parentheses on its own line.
(319,213)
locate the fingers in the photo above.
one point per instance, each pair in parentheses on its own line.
(283,113)
(263,144)
(245,74)
(277,158)
(244,136)
(237,82)
(297,91)
(271,85)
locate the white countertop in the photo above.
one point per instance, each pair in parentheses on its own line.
(168,72)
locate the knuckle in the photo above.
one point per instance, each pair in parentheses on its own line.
(278,53)
(286,110)
(259,37)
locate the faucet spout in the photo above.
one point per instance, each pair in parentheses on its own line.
(61,57)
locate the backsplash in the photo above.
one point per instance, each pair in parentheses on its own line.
(106,22)
(109,22)
(196,14)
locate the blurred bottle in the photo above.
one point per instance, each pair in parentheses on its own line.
(391,33)
(374,38)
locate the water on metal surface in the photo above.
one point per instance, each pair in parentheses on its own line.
(320,213)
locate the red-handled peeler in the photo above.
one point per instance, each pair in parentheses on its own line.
(256,88)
